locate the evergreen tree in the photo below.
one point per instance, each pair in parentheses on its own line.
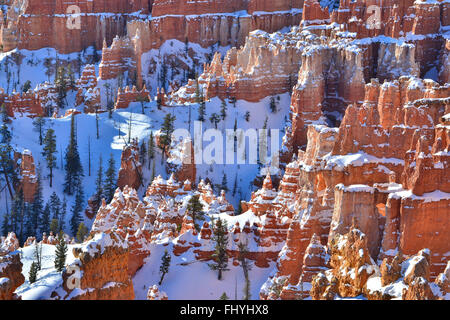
(98,196)
(166,132)
(61,86)
(223,110)
(151,148)
(224,297)
(18,214)
(215,119)
(26,86)
(73,168)
(224,185)
(39,123)
(6,150)
(55,206)
(37,206)
(247,116)
(220,256)
(6,227)
(62,216)
(38,254)
(143,153)
(32,275)
(165,265)
(246,267)
(45,221)
(54,226)
(273,105)
(61,253)
(153,172)
(110,185)
(202,111)
(195,209)
(49,152)
(82,232)
(77,208)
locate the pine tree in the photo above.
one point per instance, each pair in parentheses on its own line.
(110,185)
(224,185)
(143,153)
(55,206)
(98,196)
(195,209)
(153,172)
(215,119)
(6,150)
(223,110)
(246,267)
(60,253)
(220,256)
(39,123)
(45,221)
(224,297)
(18,213)
(73,168)
(37,206)
(247,116)
(38,254)
(62,216)
(49,152)
(273,105)
(5,225)
(151,148)
(82,232)
(77,208)
(165,265)
(32,275)
(54,226)
(26,86)
(166,132)
(61,86)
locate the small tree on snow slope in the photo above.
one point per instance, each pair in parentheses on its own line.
(220,256)
(165,265)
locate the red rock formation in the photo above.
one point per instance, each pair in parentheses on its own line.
(126,214)
(351,264)
(127,96)
(27,173)
(259,69)
(34,25)
(181,161)
(10,275)
(21,104)
(100,271)
(130,173)
(314,14)
(118,59)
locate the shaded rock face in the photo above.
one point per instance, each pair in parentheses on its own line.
(100,271)
(10,275)
(130,173)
